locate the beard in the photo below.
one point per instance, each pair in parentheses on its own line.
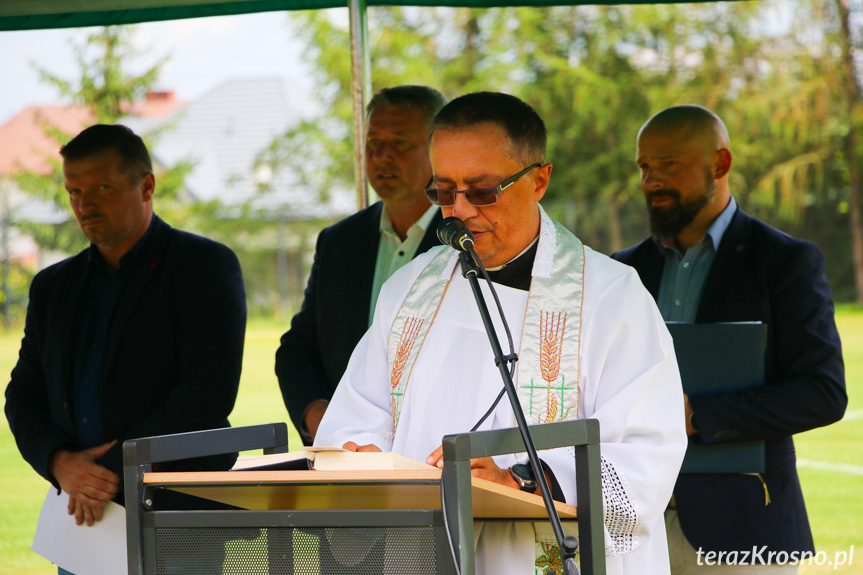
(667,222)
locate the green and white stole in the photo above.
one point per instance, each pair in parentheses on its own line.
(548,367)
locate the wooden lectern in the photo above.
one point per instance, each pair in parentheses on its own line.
(333,522)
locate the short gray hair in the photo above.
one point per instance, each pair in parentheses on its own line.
(424,98)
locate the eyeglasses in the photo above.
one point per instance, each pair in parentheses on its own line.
(474,196)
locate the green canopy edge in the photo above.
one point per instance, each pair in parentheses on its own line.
(47,14)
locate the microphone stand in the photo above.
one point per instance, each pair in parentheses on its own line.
(566,543)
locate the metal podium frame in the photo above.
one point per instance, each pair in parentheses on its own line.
(582,435)
(139,456)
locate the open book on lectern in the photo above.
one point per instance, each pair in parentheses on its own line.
(720,358)
(327,459)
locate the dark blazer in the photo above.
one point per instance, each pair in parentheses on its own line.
(314,353)
(760,274)
(174,354)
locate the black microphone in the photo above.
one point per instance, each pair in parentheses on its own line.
(452,232)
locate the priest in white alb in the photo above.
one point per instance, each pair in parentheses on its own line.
(590,344)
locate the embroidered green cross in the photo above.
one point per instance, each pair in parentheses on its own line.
(562,389)
(531,387)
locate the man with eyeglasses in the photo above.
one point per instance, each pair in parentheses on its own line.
(355,256)
(590,341)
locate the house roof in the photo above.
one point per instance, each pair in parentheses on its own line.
(24,145)
(222,133)
(156,104)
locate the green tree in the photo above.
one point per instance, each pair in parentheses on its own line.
(592,97)
(793,121)
(596,73)
(104,84)
(853,140)
(578,66)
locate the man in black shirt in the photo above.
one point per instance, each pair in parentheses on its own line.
(140,334)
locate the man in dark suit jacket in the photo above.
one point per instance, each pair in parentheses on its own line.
(141,334)
(709,262)
(355,256)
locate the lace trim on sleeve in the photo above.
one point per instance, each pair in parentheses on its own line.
(621,516)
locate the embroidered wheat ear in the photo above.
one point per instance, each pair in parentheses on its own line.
(551,345)
(410,330)
(549,359)
(550,351)
(552,410)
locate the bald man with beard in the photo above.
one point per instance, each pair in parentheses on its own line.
(707,261)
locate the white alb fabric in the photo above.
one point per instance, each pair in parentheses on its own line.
(628,380)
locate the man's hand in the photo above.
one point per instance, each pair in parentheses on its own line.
(351,446)
(83,512)
(87,482)
(687,413)
(313,416)
(482,467)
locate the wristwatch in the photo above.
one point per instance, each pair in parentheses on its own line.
(523,475)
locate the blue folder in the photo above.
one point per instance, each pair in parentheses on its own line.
(720,358)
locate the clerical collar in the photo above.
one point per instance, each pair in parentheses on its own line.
(516,273)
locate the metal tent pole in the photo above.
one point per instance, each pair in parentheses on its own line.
(361,87)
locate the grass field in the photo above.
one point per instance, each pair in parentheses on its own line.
(831,459)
